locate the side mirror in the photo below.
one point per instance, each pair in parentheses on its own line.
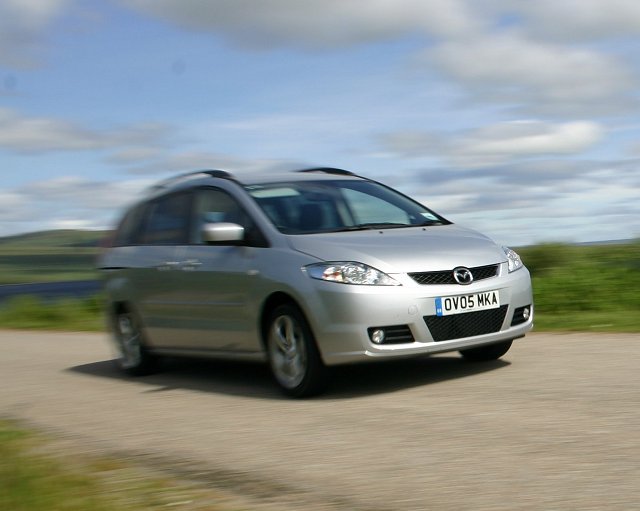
(221,232)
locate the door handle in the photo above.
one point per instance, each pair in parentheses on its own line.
(190,264)
(168,265)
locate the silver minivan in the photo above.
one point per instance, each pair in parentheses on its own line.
(304,270)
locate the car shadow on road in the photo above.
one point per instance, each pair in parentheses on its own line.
(255,381)
(382,377)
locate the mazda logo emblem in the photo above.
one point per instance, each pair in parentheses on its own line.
(463,276)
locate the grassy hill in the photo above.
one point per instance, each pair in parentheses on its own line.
(49,256)
(62,238)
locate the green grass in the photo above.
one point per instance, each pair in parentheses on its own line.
(29,482)
(593,288)
(36,474)
(31,313)
(53,239)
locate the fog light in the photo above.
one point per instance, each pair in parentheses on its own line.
(377,336)
(526,313)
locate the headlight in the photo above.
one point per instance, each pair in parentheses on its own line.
(515,263)
(350,273)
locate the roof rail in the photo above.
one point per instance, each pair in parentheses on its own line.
(223,174)
(329,170)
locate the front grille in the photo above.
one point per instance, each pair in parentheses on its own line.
(430,278)
(518,315)
(469,324)
(394,334)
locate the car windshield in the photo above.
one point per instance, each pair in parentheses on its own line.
(308,207)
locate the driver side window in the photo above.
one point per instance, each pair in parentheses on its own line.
(213,205)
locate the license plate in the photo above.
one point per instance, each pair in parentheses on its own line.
(447,305)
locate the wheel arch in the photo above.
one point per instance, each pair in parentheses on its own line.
(117,307)
(273,301)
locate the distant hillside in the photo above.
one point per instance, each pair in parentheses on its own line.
(49,256)
(61,238)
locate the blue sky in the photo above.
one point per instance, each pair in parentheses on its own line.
(520,119)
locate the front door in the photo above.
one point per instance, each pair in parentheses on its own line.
(215,282)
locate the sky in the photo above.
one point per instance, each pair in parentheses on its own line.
(520,119)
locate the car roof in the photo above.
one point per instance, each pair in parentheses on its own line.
(203,177)
(295,175)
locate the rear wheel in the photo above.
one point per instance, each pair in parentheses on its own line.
(489,352)
(133,356)
(293,354)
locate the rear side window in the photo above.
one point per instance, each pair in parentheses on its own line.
(130,229)
(167,221)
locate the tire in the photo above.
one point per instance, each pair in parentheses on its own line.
(293,355)
(133,356)
(486,353)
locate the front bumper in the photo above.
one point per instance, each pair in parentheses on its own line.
(342,315)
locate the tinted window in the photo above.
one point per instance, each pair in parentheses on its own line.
(307,207)
(129,232)
(167,222)
(213,205)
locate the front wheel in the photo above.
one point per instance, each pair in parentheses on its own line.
(293,354)
(133,356)
(485,353)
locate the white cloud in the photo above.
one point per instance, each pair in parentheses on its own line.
(22,27)
(13,206)
(579,19)
(24,134)
(507,141)
(196,160)
(466,41)
(71,224)
(80,194)
(544,77)
(315,24)
(497,143)
(535,205)
(67,202)
(40,134)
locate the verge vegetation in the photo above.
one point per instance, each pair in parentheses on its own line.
(593,287)
(49,256)
(72,314)
(36,474)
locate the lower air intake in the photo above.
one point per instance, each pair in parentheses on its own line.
(469,324)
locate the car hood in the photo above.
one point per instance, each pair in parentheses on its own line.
(404,250)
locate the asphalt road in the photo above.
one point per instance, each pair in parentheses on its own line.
(554,426)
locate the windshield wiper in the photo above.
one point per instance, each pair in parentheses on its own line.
(429,222)
(385,225)
(372,226)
